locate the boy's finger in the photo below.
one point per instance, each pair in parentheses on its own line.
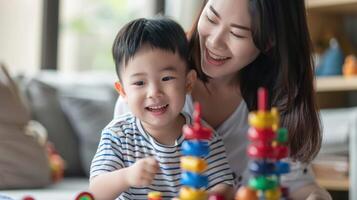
(151,160)
(149,176)
(152,169)
(147,179)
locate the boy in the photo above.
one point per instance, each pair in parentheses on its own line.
(139,152)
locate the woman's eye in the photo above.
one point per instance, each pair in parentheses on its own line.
(138,83)
(237,35)
(210,20)
(167,78)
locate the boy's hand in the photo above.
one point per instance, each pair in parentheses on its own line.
(143,171)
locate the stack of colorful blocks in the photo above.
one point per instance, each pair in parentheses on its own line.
(194,149)
(267,148)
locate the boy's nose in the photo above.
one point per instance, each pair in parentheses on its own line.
(154,91)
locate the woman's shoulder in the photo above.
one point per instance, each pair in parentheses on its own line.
(120,123)
(188,107)
(121,107)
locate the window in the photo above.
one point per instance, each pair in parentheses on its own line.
(20,38)
(88,28)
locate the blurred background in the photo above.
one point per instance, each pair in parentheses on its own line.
(74,35)
(59,54)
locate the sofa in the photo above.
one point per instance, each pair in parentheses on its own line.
(73,108)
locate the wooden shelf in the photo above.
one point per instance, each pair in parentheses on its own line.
(332,6)
(336,83)
(334,184)
(329,3)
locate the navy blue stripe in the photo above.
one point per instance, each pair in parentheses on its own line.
(213,161)
(137,145)
(133,150)
(92,172)
(216,154)
(110,149)
(165,185)
(104,160)
(219,171)
(164,179)
(215,142)
(142,190)
(226,181)
(107,165)
(163,174)
(125,195)
(217,147)
(217,166)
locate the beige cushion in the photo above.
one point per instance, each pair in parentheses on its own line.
(23,161)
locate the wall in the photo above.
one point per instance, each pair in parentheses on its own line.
(20,34)
(184,11)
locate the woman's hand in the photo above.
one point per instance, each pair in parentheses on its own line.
(319,194)
(142,173)
(311,192)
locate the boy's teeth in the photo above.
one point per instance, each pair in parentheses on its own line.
(157,107)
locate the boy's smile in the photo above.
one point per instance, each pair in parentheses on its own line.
(154,84)
(157,110)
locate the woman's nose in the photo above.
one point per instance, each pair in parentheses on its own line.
(217,39)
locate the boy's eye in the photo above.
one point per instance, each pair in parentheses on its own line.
(138,83)
(167,78)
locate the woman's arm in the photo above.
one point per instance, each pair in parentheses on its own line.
(311,192)
(121,107)
(301,182)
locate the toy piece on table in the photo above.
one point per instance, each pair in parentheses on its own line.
(154,195)
(28,198)
(194,149)
(57,164)
(350,66)
(85,196)
(215,197)
(267,147)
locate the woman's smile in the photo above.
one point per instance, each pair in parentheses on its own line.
(215,59)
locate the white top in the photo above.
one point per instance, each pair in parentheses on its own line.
(234,134)
(124,141)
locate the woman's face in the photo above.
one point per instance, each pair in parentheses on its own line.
(225,38)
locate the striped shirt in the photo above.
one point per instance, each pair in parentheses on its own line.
(124,141)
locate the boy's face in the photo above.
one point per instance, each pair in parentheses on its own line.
(154,84)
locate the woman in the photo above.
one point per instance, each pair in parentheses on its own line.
(240,45)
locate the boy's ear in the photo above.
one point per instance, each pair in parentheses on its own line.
(119,88)
(190,80)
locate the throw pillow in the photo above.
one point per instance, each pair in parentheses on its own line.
(90,109)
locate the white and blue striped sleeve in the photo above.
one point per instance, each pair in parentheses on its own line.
(218,170)
(109,155)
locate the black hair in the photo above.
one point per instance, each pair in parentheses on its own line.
(161,33)
(284,67)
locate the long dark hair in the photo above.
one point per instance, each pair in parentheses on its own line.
(284,67)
